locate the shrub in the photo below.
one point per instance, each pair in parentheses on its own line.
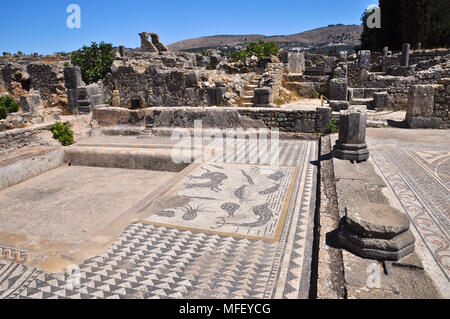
(259,49)
(94,61)
(7,105)
(332,127)
(63,133)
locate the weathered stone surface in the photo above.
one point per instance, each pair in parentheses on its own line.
(338,89)
(376,221)
(157,43)
(352,136)
(263,96)
(423,122)
(421,100)
(284,56)
(394,244)
(329,64)
(338,106)
(31,103)
(404,58)
(72,77)
(381,100)
(146,45)
(364,59)
(343,56)
(296,63)
(215,96)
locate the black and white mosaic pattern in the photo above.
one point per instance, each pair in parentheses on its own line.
(151,261)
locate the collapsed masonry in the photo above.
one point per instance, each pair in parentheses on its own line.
(141,78)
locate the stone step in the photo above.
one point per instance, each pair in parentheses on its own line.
(248,97)
(365,101)
(251,86)
(159,159)
(247,104)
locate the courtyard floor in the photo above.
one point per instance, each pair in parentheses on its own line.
(213,230)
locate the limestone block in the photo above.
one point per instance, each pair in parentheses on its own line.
(263,96)
(31,103)
(421,100)
(338,89)
(381,100)
(338,106)
(296,63)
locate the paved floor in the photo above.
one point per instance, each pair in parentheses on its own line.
(267,256)
(416,166)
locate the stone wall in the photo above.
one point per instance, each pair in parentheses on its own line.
(442,102)
(40,134)
(304,121)
(20,74)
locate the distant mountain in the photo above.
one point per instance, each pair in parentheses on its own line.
(333,35)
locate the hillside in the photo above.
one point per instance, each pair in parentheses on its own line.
(338,35)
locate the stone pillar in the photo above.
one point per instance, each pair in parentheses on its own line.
(73,80)
(122,51)
(146,45)
(351,144)
(385,51)
(419,46)
(338,89)
(157,43)
(296,63)
(420,108)
(376,231)
(263,97)
(364,59)
(404,59)
(72,77)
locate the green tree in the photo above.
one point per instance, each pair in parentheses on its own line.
(259,49)
(94,61)
(7,105)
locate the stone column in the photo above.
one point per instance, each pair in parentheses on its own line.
(351,144)
(122,51)
(404,59)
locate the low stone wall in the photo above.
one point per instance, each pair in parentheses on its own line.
(40,134)
(28,136)
(17,171)
(301,121)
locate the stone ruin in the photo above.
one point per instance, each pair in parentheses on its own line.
(155,46)
(140,78)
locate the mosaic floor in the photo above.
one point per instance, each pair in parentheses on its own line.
(250,242)
(246,201)
(419,175)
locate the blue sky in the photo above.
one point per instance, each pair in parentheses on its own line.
(40,26)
